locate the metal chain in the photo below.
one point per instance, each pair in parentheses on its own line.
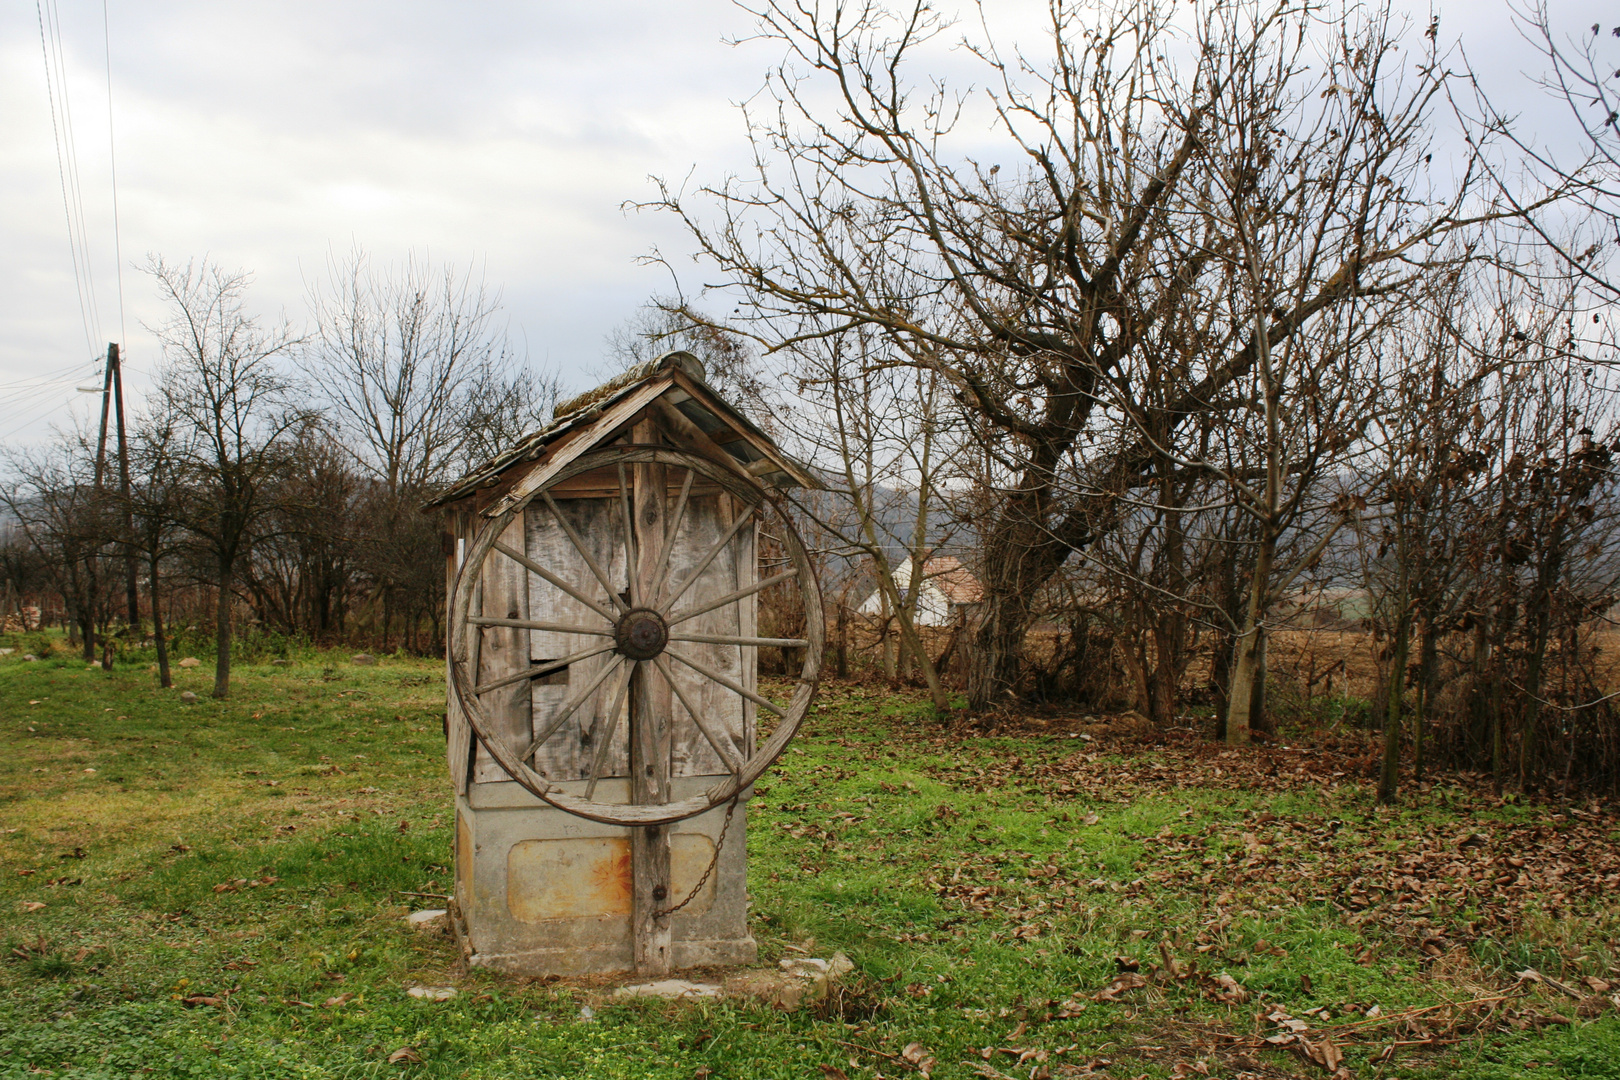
(704,880)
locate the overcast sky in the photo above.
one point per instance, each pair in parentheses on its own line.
(269,136)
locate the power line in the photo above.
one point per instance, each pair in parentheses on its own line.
(77,183)
(112,163)
(50,41)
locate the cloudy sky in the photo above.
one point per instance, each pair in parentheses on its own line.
(503,134)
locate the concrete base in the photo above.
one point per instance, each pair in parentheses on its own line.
(542,892)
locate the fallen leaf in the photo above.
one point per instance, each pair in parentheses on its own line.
(917,1056)
(405,1055)
(1231,990)
(203,999)
(1596,985)
(341,999)
(32,905)
(1123,983)
(833,1072)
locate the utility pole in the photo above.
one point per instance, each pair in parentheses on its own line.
(101,466)
(131,594)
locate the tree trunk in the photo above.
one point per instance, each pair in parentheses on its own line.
(164,679)
(841,647)
(997,656)
(1428,663)
(1389,778)
(1240,700)
(1541,621)
(87,614)
(222,633)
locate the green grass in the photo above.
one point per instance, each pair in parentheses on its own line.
(985,888)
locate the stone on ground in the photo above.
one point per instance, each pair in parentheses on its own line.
(188,698)
(364,659)
(432,993)
(669,988)
(191,661)
(425,918)
(801,981)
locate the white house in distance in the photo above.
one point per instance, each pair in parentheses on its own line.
(947,588)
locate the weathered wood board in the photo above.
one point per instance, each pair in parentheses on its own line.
(599,523)
(567,755)
(503,651)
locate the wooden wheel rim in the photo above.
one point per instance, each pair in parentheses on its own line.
(462,681)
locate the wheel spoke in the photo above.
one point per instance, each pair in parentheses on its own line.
(731,597)
(697,571)
(730,684)
(530,624)
(661,567)
(571,706)
(513,553)
(611,721)
(722,745)
(584,552)
(540,670)
(731,639)
(631,562)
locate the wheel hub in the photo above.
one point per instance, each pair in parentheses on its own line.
(641,634)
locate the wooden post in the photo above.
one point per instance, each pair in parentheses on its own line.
(131,595)
(649,736)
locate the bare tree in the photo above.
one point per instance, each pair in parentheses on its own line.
(1030,291)
(156,507)
(406,356)
(58,508)
(880,432)
(234,416)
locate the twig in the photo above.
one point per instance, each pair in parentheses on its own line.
(427,895)
(879,1053)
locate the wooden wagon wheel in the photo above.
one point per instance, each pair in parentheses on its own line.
(639,631)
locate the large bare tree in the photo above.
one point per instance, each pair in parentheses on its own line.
(1030,273)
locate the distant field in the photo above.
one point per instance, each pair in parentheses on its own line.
(219,890)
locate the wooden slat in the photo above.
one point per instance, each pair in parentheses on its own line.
(458,733)
(650,714)
(504,651)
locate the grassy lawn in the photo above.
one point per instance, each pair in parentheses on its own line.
(219,889)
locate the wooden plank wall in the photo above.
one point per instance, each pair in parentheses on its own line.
(600,524)
(706,521)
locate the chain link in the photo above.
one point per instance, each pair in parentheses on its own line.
(704,880)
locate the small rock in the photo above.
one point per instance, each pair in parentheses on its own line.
(188,698)
(669,988)
(191,661)
(802,981)
(585,1011)
(425,918)
(7,652)
(29,656)
(807,966)
(364,659)
(432,993)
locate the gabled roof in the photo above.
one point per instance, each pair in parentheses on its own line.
(672,386)
(950,577)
